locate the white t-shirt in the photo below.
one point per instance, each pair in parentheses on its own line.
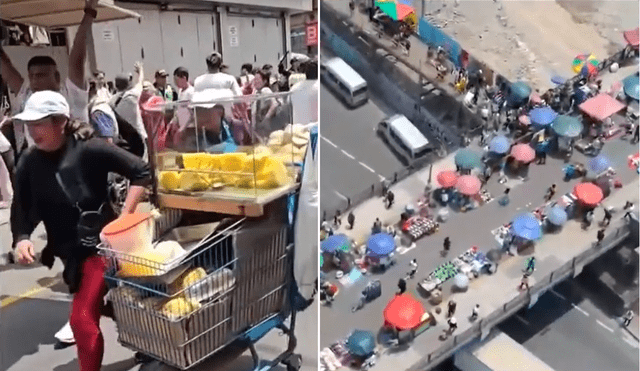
(304,99)
(77,98)
(217,81)
(184,114)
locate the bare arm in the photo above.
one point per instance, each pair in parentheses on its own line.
(78,54)
(139,69)
(9,73)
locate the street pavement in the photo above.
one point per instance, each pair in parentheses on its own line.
(354,157)
(35,305)
(566,319)
(466,230)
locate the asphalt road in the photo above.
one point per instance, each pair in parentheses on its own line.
(465,230)
(353,156)
(570,332)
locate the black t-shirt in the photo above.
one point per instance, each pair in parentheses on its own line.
(83,167)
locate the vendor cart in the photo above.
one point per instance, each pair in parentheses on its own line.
(234,285)
(419,226)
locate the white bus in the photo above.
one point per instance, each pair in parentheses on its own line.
(351,87)
(404,137)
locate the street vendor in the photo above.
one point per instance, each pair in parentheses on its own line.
(62,181)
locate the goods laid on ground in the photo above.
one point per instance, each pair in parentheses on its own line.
(418,226)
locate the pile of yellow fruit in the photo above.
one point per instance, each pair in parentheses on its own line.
(289,144)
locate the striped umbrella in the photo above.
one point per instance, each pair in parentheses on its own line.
(580,60)
(590,68)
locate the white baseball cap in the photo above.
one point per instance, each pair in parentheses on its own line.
(42,104)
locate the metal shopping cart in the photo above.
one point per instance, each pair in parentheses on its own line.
(233,286)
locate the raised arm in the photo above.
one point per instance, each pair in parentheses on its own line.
(9,73)
(78,54)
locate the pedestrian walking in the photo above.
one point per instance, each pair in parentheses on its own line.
(524,282)
(628,207)
(451,308)
(543,158)
(504,200)
(600,237)
(336,219)
(551,191)
(627,318)
(402,286)
(446,244)
(607,216)
(453,324)
(351,219)
(530,265)
(414,267)
(390,199)
(475,312)
(377,226)
(636,135)
(352,7)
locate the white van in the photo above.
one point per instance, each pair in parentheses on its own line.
(345,81)
(404,137)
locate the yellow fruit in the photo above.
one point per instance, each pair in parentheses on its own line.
(128,269)
(178,307)
(192,161)
(170,180)
(192,276)
(191,181)
(272,174)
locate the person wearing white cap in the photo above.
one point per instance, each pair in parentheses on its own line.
(62,181)
(44,75)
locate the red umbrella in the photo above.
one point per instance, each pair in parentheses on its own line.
(447,179)
(523,153)
(469,185)
(588,194)
(403,312)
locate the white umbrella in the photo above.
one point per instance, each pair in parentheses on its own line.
(461,281)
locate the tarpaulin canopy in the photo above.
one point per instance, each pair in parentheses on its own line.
(403,312)
(567,126)
(588,194)
(599,164)
(601,106)
(59,13)
(542,116)
(447,179)
(557,216)
(499,144)
(469,185)
(467,159)
(526,226)
(397,11)
(631,37)
(631,86)
(335,243)
(361,343)
(380,244)
(523,153)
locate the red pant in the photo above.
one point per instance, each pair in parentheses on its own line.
(85,314)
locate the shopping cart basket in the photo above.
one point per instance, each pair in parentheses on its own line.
(225,289)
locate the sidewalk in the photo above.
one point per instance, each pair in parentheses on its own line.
(551,252)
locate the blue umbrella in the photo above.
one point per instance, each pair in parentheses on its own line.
(499,145)
(558,80)
(361,343)
(599,164)
(467,159)
(557,216)
(526,226)
(631,86)
(567,126)
(380,244)
(335,243)
(542,116)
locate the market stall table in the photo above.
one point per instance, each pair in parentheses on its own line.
(418,226)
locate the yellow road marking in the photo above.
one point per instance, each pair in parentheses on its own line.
(27,294)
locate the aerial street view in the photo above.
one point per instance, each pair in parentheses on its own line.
(158,185)
(479,185)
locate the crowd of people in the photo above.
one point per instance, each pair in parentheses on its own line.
(75,152)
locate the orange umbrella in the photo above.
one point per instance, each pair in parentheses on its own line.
(447,179)
(403,312)
(523,153)
(588,194)
(468,185)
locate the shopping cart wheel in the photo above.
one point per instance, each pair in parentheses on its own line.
(293,362)
(142,358)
